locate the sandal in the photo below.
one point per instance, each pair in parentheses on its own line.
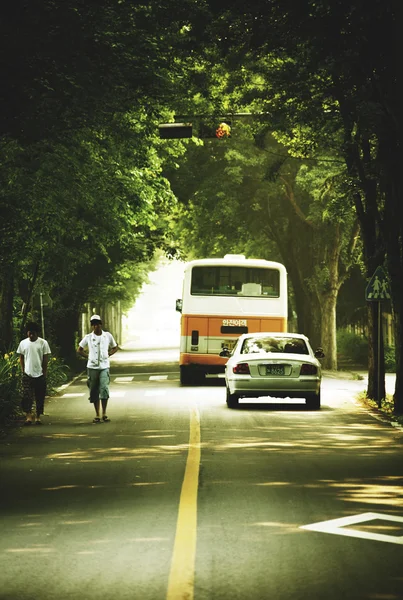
(96,420)
(106,419)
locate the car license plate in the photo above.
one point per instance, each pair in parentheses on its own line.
(274,369)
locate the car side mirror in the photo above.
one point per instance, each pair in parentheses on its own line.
(319,353)
(178,305)
(225,353)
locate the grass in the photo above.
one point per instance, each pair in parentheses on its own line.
(386,408)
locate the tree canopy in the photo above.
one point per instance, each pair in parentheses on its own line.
(83,193)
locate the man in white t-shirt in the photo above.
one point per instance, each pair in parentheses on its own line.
(34,357)
(100,345)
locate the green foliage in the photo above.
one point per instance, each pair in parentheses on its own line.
(11,389)
(81,190)
(390,359)
(352,348)
(58,373)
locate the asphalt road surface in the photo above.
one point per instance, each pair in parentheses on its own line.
(179,497)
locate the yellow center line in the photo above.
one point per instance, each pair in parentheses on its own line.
(181,577)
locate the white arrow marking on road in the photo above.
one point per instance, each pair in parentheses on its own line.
(336,526)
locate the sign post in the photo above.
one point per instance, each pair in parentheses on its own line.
(376,291)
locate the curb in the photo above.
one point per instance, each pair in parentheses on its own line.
(66,385)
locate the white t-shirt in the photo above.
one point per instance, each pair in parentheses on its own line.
(98,347)
(33,353)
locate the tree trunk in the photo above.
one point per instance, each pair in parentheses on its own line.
(28,298)
(6,311)
(394,245)
(395,267)
(398,395)
(307,307)
(329,342)
(64,329)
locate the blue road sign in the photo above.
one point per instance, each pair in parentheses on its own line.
(378,287)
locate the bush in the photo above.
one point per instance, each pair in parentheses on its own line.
(390,359)
(10,385)
(58,373)
(352,348)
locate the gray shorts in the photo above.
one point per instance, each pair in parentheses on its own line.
(98,384)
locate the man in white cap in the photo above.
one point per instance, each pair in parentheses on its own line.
(100,346)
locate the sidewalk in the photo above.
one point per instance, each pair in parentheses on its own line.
(390,378)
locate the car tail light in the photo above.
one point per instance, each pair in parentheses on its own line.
(241,369)
(308,369)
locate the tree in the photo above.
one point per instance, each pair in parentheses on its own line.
(80,176)
(327,69)
(260,201)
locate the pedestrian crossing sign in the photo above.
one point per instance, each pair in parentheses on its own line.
(378,287)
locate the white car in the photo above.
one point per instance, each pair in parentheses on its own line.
(273,364)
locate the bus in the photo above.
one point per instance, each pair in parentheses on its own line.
(222,298)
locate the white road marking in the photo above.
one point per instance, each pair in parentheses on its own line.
(117,394)
(336,526)
(120,379)
(72,395)
(157,377)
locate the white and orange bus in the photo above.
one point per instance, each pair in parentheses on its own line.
(222,298)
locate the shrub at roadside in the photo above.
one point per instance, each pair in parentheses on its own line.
(58,373)
(352,349)
(390,359)
(10,388)
(10,385)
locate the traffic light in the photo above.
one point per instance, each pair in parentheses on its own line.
(204,129)
(169,131)
(215,130)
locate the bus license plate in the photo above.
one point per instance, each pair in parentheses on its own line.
(230,344)
(274,369)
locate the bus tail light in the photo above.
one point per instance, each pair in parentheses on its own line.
(241,369)
(308,369)
(195,337)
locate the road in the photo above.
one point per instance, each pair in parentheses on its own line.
(179,497)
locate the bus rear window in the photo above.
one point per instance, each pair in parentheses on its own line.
(235,281)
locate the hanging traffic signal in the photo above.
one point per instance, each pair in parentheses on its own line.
(218,130)
(205,129)
(223,131)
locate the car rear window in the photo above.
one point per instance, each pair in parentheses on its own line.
(263,345)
